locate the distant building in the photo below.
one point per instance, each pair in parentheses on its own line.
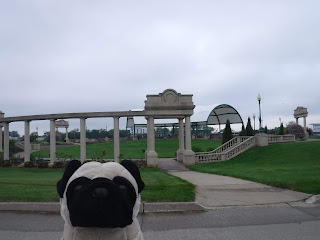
(316,128)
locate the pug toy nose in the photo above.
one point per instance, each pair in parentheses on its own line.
(100,192)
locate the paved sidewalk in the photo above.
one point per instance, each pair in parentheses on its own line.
(220,191)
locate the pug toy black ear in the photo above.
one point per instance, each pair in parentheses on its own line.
(62,183)
(134,170)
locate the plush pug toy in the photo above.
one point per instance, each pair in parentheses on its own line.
(101,201)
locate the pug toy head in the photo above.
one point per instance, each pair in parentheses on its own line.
(100,195)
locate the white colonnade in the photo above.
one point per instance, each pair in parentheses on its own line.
(166,105)
(27,145)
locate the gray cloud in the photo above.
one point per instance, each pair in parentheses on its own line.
(77,56)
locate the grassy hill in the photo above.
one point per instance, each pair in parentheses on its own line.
(293,166)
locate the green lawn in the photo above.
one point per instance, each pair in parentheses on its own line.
(39,185)
(293,166)
(130,149)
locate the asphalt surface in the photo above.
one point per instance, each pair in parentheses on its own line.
(267,222)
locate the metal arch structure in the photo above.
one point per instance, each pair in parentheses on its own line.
(221,113)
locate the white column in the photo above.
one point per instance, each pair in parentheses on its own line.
(188,154)
(181,141)
(27,146)
(67,138)
(150,134)
(1,125)
(297,121)
(305,127)
(83,154)
(116,139)
(1,137)
(188,133)
(6,141)
(52,141)
(151,155)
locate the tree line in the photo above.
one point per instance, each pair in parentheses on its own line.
(74,134)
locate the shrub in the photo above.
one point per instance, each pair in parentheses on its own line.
(265,130)
(296,130)
(43,164)
(28,164)
(17,160)
(196,149)
(227,133)
(58,164)
(66,163)
(7,163)
(286,130)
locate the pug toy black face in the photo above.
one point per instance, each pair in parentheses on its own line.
(95,195)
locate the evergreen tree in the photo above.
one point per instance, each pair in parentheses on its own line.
(249,129)
(265,130)
(227,133)
(281,129)
(243,131)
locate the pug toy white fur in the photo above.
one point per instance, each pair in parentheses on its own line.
(101,201)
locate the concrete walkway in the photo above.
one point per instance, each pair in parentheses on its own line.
(220,191)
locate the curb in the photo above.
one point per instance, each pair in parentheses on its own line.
(315,199)
(171,207)
(54,207)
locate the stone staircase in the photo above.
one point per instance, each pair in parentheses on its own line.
(19,145)
(238,145)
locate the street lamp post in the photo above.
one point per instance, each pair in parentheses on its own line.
(259,100)
(254,121)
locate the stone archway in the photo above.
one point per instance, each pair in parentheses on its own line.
(63,124)
(168,105)
(302,112)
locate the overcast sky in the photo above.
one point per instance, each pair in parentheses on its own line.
(87,56)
